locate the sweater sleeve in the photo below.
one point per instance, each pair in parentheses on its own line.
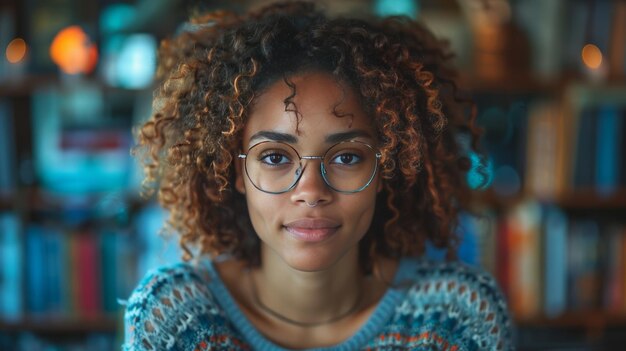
(163,309)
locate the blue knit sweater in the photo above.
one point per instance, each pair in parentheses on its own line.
(435,306)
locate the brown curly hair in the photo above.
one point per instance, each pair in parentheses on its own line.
(211,74)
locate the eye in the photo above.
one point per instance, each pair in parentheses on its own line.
(346,159)
(274,158)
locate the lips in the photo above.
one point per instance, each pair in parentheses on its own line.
(312,229)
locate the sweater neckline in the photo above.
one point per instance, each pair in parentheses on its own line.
(381,314)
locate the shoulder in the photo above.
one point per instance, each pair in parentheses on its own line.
(460,279)
(463,299)
(166,305)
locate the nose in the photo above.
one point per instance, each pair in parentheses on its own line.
(311,188)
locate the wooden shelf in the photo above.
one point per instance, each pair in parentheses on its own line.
(591,199)
(49,325)
(7,202)
(521,84)
(24,86)
(584,320)
(577,200)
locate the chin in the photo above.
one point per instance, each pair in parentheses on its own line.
(311,261)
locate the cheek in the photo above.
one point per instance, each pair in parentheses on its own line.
(263,209)
(360,209)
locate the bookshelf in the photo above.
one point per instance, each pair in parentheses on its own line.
(546,92)
(556,243)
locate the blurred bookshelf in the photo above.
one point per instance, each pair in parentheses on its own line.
(75,237)
(551,226)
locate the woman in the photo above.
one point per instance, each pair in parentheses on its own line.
(305,162)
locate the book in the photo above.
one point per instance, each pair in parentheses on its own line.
(54,271)
(614,265)
(585,150)
(88,274)
(486,232)
(617,48)
(555,229)
(524,262)
(608,149)
(541,178)
(11,260)
(35,271)
(7,149)
(584,280)
(503,246)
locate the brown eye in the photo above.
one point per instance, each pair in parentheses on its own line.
(346,159)
(274,159)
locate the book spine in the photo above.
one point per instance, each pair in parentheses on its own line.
(11,294)
(88,275)
(555,263)
(35,265)
(608,149)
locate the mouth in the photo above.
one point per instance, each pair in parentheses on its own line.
(312,229)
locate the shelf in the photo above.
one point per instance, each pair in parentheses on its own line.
(524,83)
(24,86)
(7,202)
(521,84)
(585,320)
(576,200)
(49,325)
(590,199)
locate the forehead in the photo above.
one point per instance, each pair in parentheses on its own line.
(309,106)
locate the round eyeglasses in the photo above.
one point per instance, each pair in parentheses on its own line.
(275,167)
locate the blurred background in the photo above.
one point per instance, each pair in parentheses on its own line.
(548,79)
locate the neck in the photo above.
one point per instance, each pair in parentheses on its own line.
(309,297)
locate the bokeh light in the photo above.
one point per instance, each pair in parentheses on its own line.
(592,56)
(136,62)
(16,50)
(396,8)
(73,51)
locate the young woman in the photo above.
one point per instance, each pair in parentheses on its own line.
(305,162)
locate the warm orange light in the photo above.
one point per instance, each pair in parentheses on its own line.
(73,52)
(592,56)
(16,50)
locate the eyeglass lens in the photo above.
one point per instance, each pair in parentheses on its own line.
(275,167)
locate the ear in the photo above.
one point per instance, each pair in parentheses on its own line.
(239,176)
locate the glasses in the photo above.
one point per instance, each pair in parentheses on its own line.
(275,167)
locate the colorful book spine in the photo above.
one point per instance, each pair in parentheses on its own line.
(11,294)
(88,274)
(7,149)
(525,260)
(36,291)
(555,228)
(608,149)
(584,279)
(614,295)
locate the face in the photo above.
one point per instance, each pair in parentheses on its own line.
(308,238)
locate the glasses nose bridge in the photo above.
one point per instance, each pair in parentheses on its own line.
(312,158)
(303,167)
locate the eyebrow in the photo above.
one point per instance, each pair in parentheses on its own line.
(291,139)
(345,136)
(274,136)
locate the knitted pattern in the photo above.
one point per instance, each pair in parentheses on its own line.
(432,306)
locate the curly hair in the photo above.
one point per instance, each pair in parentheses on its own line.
(211,75)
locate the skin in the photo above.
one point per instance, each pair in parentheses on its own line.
(322,276)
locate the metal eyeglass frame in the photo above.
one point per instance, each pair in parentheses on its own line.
(322,169)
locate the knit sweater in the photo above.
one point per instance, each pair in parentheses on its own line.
(432,306)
